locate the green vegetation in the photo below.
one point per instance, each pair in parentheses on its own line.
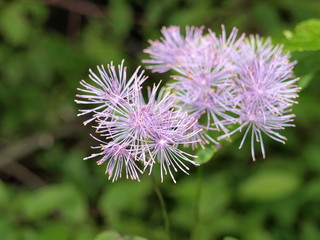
(48,192)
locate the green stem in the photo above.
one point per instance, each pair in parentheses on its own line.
(163,208)
(197,205)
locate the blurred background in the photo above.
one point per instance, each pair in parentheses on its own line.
(48,192)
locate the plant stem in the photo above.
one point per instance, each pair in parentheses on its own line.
(196,213)
(163,208)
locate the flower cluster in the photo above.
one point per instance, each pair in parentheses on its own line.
(222,85)
(228,80)
(135,134)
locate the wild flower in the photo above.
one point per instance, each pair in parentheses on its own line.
(227,81)
(138,134)
(265,90)
(220,83)
(202,90)
(172,49)
(118,156)
(111,86)
(203,83)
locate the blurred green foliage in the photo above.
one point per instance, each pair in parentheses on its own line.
(48,192)
(112,235)
(305,37)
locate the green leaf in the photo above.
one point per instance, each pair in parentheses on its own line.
(109,235)
(38,11)
(310,230)
(4,196)
(63,198)
(269,185)
(306,36)
(311,192)
(194,16)
(206,154)
(134,238)
(54,230)
(8,229)
(121,197)
(230,238)
(154,12)
(121,18)
(14,24)
(265,14)
(307,67)
(98,48)
(112,235)
(305,79)
(210,210)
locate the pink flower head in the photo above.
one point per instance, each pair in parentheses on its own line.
(138,132)
(265,90)
(172,49)
(107,88)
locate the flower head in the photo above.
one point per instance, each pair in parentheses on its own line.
(265,89)
(204,85)
(172,49)
(117,156)
(107,89)
(228,80)
(219,81)
(138,132)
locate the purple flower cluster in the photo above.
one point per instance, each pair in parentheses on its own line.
(135,134)
(228,81)
(222,85)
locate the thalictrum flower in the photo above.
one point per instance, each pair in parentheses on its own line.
(117,156)
(135,131)
(265,91)
(173,130)
(107,88)
(220,80)
(229,80)
(203,85)
(172,49)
